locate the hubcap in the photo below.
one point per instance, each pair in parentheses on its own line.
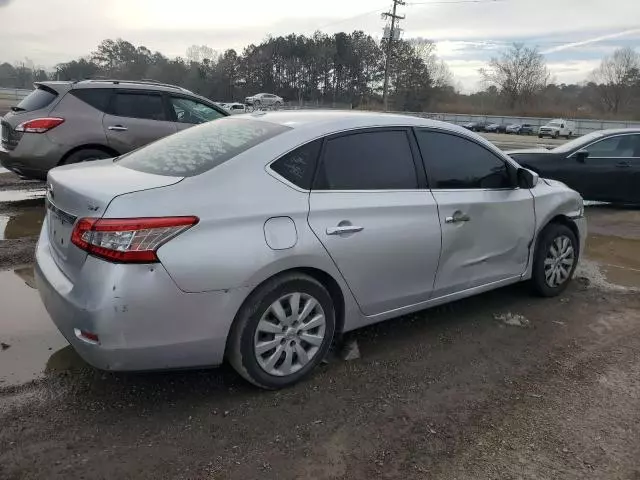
(289,334)
(559,261)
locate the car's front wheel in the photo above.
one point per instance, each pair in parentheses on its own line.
(283,331)
(555,260)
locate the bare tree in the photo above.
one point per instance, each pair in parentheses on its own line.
(438,69)
(519,74)
(615,78)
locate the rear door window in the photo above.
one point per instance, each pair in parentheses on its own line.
(148,106)
(198,149)
(376,160)
(40,98)
(98,98)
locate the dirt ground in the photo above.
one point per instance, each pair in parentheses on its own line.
(503,385)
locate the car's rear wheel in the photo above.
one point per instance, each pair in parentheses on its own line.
(86,155)
(277,105)
(283,331)
(256,104)
(555,260)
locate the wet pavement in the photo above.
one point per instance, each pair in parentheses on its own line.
(29,338)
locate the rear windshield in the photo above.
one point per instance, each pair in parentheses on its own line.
(39,98)
(198,149)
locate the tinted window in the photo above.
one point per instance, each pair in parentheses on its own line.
(198,149)
(368,161)
(299,165)
(190,111)
(139,105)
(41,97)
(620,146)
(96,97)
(454,162)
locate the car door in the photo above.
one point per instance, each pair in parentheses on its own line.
(610,171)
(187,111)
(372,212)
(136,118)
(487,222)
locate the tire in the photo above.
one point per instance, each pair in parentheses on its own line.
(556,135)
(256,105)
(539,136)
(248,332)
(562,239)
(569,135)
(86,155)
(277,105)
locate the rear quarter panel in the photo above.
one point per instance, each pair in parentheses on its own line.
(82,126)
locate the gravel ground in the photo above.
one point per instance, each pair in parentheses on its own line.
(503,385)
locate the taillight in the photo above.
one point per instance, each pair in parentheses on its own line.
(39,125)
(128,240)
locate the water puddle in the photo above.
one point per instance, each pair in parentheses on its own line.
(21,195)
(617,257)
(30,344)
(25,222)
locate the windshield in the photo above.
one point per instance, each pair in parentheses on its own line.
(554,124)
(198,149)
(577,143)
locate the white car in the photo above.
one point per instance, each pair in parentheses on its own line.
(235,108)
(264,100)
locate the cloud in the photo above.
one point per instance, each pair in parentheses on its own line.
(566,46)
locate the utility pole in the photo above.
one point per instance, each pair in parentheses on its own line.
(392,31)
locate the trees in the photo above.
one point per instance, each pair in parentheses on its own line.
(519,74)
(616,78)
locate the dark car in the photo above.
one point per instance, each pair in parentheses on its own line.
(602,166)
(470,126)
(60,123)
(495,128)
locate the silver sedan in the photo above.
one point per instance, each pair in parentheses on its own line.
(261,238)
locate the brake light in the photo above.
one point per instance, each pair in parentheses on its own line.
(128,240)
(39,125)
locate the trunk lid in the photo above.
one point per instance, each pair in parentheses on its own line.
(85,190)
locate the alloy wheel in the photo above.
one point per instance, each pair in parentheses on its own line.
(559,261)
(289,334)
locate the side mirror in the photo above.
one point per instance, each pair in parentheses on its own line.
(527,178)
(582,155)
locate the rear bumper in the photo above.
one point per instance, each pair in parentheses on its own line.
(33,157)
(143,321)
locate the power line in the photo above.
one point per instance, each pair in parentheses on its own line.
(392,15)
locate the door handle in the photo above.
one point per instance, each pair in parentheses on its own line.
(622,165)
(117,128)
(341,229)
(457,216)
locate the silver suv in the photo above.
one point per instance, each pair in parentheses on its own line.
(61,123)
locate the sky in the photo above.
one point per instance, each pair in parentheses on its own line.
(573,35)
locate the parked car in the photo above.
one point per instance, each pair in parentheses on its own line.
(476,126)
(264,100)
(520,129)
(603,165)
(257,238)
(235,108)
(61,123)
(557,128)
(495,128)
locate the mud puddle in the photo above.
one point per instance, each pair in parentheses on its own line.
(618,258)
(21,195)
(25,222)
(30,343)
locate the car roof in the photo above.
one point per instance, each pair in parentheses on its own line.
(615,131)
(332,121)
